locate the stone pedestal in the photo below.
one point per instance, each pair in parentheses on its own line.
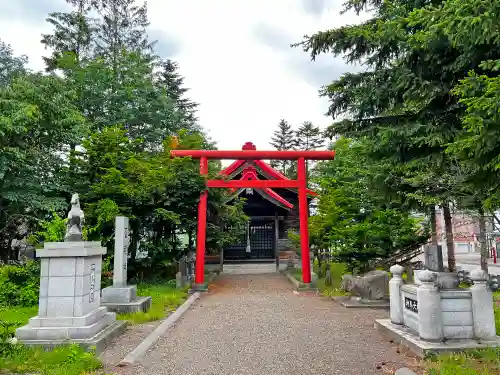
(120,297)
(69,304)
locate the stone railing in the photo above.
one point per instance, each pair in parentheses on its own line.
(435,314)
(493,280)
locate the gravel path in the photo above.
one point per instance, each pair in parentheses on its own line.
(256,325)
(124,344)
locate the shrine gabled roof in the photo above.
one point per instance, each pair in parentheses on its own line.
(249,170)
(262,167)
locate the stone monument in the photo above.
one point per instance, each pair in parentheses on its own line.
(181,277)
(433,258)
(369,290)
(427,318)
(434,262)
(121,297)
(69,304)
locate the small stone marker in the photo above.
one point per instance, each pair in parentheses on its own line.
(182,276)
(121,297)
(433,258)
(69,303)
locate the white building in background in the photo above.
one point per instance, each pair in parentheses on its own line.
(465,232)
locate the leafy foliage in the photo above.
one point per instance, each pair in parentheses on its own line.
(104,128)
(19,284)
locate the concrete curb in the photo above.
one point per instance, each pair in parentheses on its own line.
(405,371)
(299,287)
(153,337)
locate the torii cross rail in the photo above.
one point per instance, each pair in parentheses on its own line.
(300,184)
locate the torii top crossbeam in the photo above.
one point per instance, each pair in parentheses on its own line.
(254,154)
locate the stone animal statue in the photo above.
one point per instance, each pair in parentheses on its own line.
(373,285)
(75,221)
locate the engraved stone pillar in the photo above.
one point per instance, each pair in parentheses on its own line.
(482,306)
(121,297)
(430,321)
(395,284)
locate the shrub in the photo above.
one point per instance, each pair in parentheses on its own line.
(106,273)
(51,231)
(337,270)
(20,284)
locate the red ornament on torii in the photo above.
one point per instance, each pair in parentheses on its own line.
(250,180)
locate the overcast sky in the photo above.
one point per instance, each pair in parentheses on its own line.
(234,54)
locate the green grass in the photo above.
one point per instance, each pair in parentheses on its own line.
(297,274)
(63,360)
(71,359)
(337,270)
(472,362)
(18,315)
(165,300)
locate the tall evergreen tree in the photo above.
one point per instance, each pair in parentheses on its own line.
(122,26)
(282,140)
(403,101)
(73,33)
(171,80)
(308,137)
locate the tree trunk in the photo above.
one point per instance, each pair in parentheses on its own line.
(432,218)
(449,238)
(482,240)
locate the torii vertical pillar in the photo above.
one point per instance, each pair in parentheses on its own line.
(199,277)
(303,217)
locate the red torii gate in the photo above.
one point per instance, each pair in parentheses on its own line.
(300,184)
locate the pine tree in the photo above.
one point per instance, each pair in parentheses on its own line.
(169,78)
(73,33)
(282,140)
(308,137)
(122,27)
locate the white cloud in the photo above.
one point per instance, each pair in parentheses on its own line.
(244,86)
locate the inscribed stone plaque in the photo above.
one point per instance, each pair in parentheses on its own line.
(411,304)
(92,283)
(434,258)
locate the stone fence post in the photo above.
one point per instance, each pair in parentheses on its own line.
(482,306)
(430,320)
(396,304)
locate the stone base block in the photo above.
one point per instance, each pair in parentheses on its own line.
(405,337)
(113,294)
(357,302)
(140,304)
(198,288)
(65,332)
(80,321)
(96,343)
